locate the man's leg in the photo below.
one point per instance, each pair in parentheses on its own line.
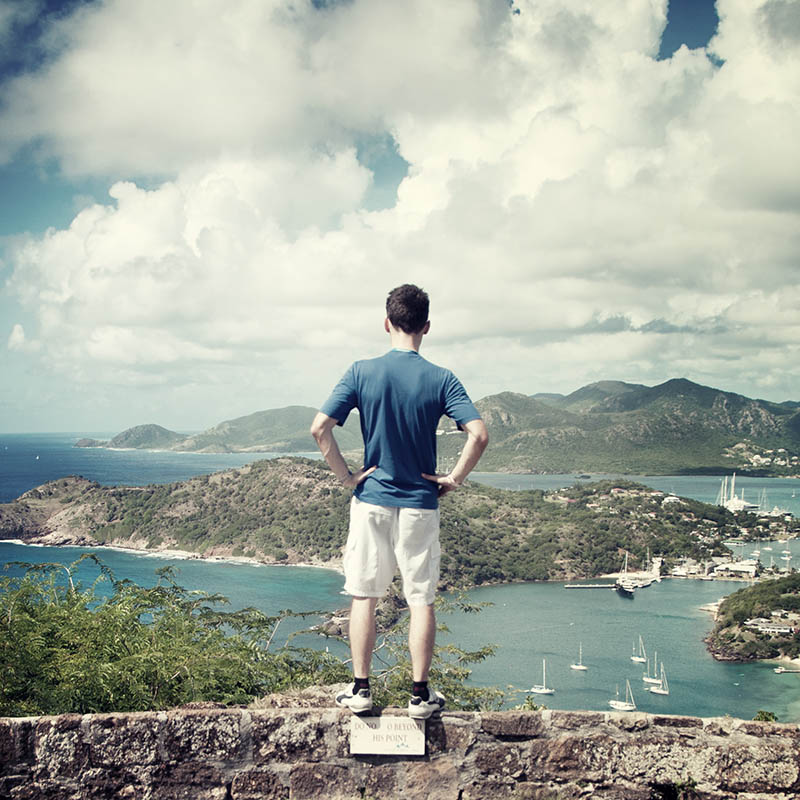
(362,634)
(421,638)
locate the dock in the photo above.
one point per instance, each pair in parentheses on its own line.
(588,585)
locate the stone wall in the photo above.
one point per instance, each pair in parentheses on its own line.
(298,753)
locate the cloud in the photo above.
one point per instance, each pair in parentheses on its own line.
(577,209)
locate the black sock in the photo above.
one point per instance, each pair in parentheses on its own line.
(360,683)
(420,689)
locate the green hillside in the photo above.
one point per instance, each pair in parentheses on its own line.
(732,640)
(277,430)
(675,427)
(292,510)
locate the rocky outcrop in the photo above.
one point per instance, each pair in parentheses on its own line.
(296,753)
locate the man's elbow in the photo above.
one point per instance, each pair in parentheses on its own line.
(480,436)
(318,427)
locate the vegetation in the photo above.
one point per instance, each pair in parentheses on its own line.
(66,648)
(292,510)
(676,427)
(608,426)
(732,640)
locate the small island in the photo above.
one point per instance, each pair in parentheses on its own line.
(759,622)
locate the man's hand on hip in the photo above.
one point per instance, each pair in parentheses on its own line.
(446,482)
(357,477)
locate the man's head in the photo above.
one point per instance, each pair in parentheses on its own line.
(407,308)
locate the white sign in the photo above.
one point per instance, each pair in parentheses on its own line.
(387,736)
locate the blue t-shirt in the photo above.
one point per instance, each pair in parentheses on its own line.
(400,397)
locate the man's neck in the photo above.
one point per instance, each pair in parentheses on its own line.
(405,341)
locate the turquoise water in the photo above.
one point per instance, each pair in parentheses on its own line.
(527,621)
(269,588)
(534,621)
(31,459)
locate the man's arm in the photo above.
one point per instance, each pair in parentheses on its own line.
(322,431)
(477,439)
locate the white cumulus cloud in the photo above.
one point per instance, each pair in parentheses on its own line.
(577,209)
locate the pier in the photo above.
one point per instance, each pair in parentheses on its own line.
(588,585)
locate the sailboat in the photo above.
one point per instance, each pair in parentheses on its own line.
(641,656)
(647,677)
(580,665)
(542,688)
(624,585)
(628,704)
(663,686)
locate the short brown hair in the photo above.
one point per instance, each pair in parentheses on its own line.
(407,308)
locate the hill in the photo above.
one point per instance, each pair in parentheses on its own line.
(774,604)
(609,426)
(292,510)
(675,427)
(277,430)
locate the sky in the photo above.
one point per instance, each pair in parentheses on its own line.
(204,204)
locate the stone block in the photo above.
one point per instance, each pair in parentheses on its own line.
(433,780)
(16,744)
(519,724)
(692,723)
(58,746)
(115,739)
(380,783)
(292,737)
(313,781)
(500,760)
(570,757)
(258,784)
(575,720)
(207,735)
(188,781)
(450,735)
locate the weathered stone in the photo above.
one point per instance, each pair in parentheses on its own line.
(434,780)
(115,739)
(188,781)
(299,736)
(380,782)
(627,721)
(499,761)
(574,720)
(58,745)
(307,781)
(258,784)
(16,743)
(208,735)
(290,754)
(523,724)
(448,735)
(678,722)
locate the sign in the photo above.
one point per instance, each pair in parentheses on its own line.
(389,736)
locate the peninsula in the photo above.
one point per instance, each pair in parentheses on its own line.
(291,510)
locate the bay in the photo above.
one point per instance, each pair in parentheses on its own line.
(535,621)
(30,459)
(528,621)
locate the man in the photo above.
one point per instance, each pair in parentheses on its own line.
(394,512)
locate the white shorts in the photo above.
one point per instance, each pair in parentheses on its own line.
(383,538)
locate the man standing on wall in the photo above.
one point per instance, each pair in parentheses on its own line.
(394,512)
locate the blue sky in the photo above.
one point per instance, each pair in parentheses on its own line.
(203,205)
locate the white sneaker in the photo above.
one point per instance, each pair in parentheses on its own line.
(358,702)
(422,709)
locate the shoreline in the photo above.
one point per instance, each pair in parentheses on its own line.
(180,555)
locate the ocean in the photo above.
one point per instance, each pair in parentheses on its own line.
(528,622)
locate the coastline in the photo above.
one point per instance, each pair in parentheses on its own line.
(188,555)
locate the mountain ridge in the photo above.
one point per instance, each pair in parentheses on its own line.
(677,426)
